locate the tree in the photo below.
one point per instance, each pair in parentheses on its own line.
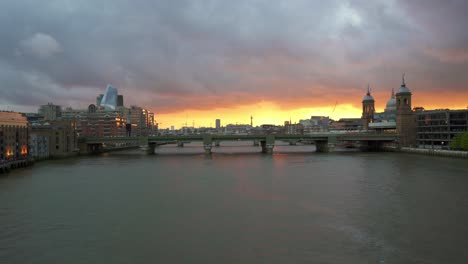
(460,142)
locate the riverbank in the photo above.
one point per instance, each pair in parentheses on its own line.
(435,152)
(11,165)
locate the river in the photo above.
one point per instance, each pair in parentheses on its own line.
(237,206)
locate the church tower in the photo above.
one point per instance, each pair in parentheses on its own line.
(405,119)
(368,109)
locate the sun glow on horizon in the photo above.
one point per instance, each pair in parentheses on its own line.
(262,113)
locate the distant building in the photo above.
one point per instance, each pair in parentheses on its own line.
(346,124)
(50,111)
(92,108)
(99,99)
(218,123)
(292,129)
(237,129)
(436,128)
(269,129)
(120,100)
(34,117)
(109,100)
(14,135)
(315,124)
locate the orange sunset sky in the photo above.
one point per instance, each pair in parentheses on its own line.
(269,112)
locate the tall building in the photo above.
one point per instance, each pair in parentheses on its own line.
(14,136)
(109,100)
(141,120)
(120,100)
(405,119)
(218,123)
(368,109)
(99,99)
(50,111)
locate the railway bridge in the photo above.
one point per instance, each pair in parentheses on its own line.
(324,142)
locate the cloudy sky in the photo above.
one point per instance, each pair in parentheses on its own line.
(194,61)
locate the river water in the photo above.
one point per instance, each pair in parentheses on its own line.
(237,206)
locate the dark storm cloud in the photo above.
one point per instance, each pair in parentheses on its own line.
(198,54)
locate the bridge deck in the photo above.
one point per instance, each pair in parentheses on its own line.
(262,137)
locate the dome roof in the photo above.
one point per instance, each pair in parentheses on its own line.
(403,88)
(391,103)
(368,96)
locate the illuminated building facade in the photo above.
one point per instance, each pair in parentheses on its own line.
(142,121)
(14,135)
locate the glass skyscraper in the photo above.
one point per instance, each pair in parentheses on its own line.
(109,100)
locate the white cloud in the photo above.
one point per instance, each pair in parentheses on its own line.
(41,45)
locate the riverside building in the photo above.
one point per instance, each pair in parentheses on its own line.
(435,129)
(14,134)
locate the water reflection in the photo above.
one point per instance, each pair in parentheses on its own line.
(294,207)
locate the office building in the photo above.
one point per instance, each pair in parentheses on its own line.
(99,99)
(109,100)
(120,100)
(50,111)
(435,129)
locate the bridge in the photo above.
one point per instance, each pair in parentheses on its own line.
(324,142)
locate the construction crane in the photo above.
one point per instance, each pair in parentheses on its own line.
(334,106)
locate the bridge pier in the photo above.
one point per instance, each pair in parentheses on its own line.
(207,148)
(150,149)
(324,146)
(371,146)
(268,144)
(94,148)
(207,143)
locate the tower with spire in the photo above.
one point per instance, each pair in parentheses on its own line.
(368,109)
(405,119)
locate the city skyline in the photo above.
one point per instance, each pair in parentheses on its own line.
(198,61)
